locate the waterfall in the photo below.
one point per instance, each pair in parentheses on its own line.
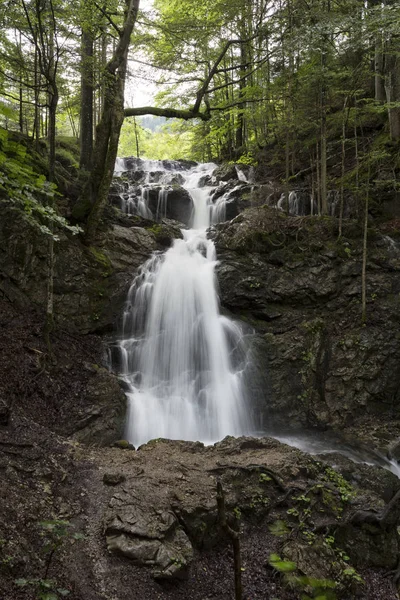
(183,363)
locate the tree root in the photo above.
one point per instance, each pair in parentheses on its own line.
(250,469)
(386,518)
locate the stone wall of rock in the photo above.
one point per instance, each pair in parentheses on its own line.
(90,283)
(300,288)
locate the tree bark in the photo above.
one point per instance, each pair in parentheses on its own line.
(86,113)
(364,257)
(392,88)
(95,193)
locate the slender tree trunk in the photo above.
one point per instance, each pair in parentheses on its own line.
(379,69)
(356,155)
(136,138)
(324,194)
(364,257)
(317,165)
(324,191)
(53,95)
(392,88)
(343,167)
(37,118)
(86,115)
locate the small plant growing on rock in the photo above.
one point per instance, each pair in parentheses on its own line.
(54,534)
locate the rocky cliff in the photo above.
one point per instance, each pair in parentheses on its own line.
(299,287)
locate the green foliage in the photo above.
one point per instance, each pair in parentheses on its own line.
(320,589)
(171,141)
(54,533)
(279,528)
(24,189)
(45,589)
(283,566)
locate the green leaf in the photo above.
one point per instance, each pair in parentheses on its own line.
(63,592)
(283,566)
(279,528)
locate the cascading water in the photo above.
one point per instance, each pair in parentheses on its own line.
(183,362)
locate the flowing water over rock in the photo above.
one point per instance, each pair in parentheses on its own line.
(183,363)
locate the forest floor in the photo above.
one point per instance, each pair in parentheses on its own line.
(44,474)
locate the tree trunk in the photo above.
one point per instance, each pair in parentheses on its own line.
(53,102)
(364,257)
(324,195)
(378,70)
(392,88)
(95,193)
(86,114)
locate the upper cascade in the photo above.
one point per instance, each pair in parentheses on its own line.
(159,189)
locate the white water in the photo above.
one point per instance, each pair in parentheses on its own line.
(181,360)
(358,453)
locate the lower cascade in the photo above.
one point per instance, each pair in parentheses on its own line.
(183,362)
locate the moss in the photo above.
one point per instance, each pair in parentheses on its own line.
(66,159)
(123,445)
(156,229)
(101,258)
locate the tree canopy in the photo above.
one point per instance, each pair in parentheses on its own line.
(307,78)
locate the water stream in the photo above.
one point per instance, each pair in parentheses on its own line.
(181,360)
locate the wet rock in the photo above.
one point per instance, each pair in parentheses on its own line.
(90,283)
(103,421)
(206,181)
(225,172)
(178,203)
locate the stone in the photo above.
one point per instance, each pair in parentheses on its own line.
(314,364)
(103,421)
(113,478)
(149,537)
(123,445)
(4,412)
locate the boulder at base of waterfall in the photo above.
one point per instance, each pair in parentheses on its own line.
(177,203)
(159,516)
